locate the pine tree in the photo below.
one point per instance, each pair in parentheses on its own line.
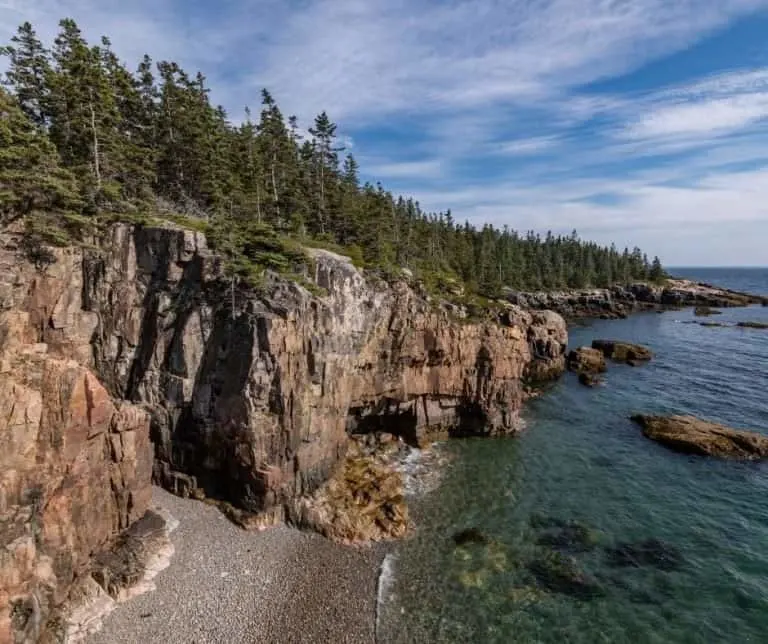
(28,71)
(656,273)
(32,182)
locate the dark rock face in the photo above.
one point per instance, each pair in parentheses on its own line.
(692,435)
(619,351)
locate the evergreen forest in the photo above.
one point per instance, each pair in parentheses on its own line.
(86,140)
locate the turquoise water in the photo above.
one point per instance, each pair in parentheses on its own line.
(582,460)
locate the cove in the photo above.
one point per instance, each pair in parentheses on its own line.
(672,547)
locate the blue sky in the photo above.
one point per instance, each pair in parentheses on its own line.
(636,121)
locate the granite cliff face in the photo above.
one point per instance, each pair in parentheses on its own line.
(247,396)
(252,396)
(74,471)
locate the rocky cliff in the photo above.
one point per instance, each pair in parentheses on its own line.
(74,472)
(250,396)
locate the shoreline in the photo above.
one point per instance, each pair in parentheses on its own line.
(227,585)
(619,302)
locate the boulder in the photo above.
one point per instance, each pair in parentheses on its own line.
(560,573)
(469,535)
(569,537)
(692,435)
(620,351)
(586,360)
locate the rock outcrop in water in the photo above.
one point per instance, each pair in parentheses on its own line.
(586,360)
(753,325)
(248,396)
(692,435)
(620,351)
(620,301)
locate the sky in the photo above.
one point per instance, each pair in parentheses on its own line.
(639,122)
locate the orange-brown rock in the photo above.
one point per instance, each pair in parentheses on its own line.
(75,470)
(692,435)
(620,351)
(586,360)
(254,403)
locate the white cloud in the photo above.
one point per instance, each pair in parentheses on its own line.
(719,104)
(484,93)
(524,147)
(427,168)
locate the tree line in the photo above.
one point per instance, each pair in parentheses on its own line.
(84,139)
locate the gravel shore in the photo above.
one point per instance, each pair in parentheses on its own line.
(231,586)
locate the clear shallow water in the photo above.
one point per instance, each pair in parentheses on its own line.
(582,459)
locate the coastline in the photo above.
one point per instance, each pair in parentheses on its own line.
(619,302)
(230,585)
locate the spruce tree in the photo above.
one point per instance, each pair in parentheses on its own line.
(28,72)
(32,182)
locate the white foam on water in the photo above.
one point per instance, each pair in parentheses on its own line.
(386,579)
(422,469)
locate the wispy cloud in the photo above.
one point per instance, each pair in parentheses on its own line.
(427,168)
(524,147)
(488,107)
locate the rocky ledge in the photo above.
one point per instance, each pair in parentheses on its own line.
(248,396)
(620,351)
(692,435)
(621,301)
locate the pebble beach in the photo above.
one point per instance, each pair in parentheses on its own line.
(227,585)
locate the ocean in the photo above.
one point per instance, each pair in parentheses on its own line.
(582,465)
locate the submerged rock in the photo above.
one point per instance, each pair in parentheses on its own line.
(586,360)
(469,535)
(560,573)
(650,552)
(590,379)
(692,435)
(704,311)
(620,351)
(752,325)
(544,521)
(572,536)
